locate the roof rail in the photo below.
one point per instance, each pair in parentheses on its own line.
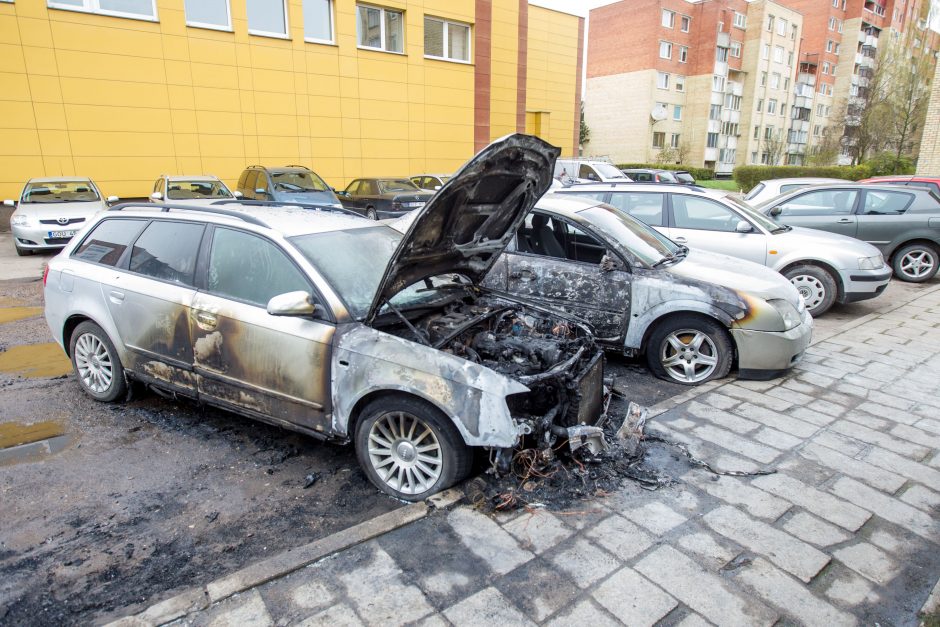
(697,188)
(293,165)
(167,207)
(252,167)
(284,203)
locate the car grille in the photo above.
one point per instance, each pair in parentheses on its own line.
(56,241)
(66,223)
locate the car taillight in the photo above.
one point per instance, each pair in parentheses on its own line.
(45,275)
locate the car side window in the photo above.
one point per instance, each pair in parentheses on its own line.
(250,268)
(791,187)
(691,212)
(886,203)
(587,172)
(642,177)
(354,187)
(934,187)
(262,182)
(108,241)
(167,251)
(823,202)
(551,237)
(645,207)
(250,182)
(242,180)
(754,192)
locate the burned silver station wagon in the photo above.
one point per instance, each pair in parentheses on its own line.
(336,326)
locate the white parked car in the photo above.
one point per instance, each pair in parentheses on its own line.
(51,210)
(826,268)
(190,190)
(765,190)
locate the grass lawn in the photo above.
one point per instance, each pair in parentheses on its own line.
(729,184)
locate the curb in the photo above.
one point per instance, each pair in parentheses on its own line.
(931,605)
(202,597)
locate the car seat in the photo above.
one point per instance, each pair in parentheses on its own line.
(543,238)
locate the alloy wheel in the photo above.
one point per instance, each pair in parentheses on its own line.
(93,363)
(689,355)
(405,452)
(917,263)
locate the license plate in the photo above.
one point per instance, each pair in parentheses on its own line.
(61,234)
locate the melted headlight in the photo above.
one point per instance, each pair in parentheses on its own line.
(789,313)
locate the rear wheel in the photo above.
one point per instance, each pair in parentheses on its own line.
(689,349)
(371,214)
(96,363)
(816,286)
(915,263)
(409,449)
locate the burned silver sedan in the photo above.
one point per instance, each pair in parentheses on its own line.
(336,326)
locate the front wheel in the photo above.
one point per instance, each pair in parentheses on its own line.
(371,214)
(409,449)
(816,286)
(915,263)
(689,349)
(96,363)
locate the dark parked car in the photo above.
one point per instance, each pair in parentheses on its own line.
(684,177)
(378,198)
(651,176)
(901,222)
(292,183)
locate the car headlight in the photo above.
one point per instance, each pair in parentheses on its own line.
(19,219)
(790,314)
(871,263)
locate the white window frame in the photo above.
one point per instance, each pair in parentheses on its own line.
(447,24)
(680,83)
(772,106)
(228,23)
(782,27)
(660,83)
(384,37)
(779,54)
(677,109)
(274,35)
(740,23)
(735,49)
(667,46)
(674,140)
(683,54)
(93,6)
(314,40)
(671,15)
(687,20)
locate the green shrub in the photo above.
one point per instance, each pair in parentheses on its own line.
(747,176)
(887,163)
(700,174)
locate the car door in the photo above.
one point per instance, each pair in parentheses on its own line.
(150,302)
(272,367)
(704,223)
(558,264)
(830,210)
(883,217)
(350,198)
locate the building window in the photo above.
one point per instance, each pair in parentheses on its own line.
(756,132)
(266,18)
(763,79)
(786,84)
(828,45)
(793,32)
(825,68)
(832,23)
(665,50)
(768,132)
(446,40)
(685,23)
(736,49)
(711,140)
(760,104)
(714,112)
(318,21)
(674,140)
(718,83)
(790,59)
(775,80)
(380,29)
(778,54)
(677,113)
(669,18)
(816,131)
(733,102)
(840,26)
(680,83)
(721,55)
(662,80)
(213,14)
(838,48)
(659,139)
(782,27)
(136,9)
(683,54)
(771,106)
(740,20)
(770,23)
(765,51)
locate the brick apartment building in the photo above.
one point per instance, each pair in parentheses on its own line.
(929,161)
(722,83)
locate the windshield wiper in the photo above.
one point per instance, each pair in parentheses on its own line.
(674,257)
(783,228)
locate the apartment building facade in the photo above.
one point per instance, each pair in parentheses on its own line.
(928,162)
(124,90)
(762,82)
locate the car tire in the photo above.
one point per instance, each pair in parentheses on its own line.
(410,427)
(915,263)
(689,349)
(816,286)
(96,363)
(371,214)
(22,252)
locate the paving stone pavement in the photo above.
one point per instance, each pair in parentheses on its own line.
(845,532)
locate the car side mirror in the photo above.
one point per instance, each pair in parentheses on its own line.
(112,199)
(299,303)
(776,211)
(609,263)
(156,196)
(743,227)
(237,194)
(8,203)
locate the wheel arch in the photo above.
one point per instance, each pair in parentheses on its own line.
(835,274)
(658,322)
(916,240)
(68,328)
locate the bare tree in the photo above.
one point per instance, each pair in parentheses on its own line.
(774,146)
(908,73)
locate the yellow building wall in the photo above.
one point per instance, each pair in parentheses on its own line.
(122,100)
(552,76)
(504,68)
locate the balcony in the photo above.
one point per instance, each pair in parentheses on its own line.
(724,40)
(729,115)
(803,102)
(866,72)
(735,89)
(870,41)
(801,126)
(711,154)
(806,79)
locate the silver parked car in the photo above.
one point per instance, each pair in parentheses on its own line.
(198,190)
(771,188)
(826,268)
(51,210)
(336,326)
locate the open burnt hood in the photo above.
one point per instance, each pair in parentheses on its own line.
(473,217)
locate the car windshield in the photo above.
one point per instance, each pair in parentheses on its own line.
(668,177)
(765,222)
(608,171)
(641,240)
(388,186)
(684,177)
(298,181)
(189,190)
(64,191)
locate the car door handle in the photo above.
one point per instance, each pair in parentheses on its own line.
(116,296)
(680,239)
(525,275)
(844,221)
(206,320)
